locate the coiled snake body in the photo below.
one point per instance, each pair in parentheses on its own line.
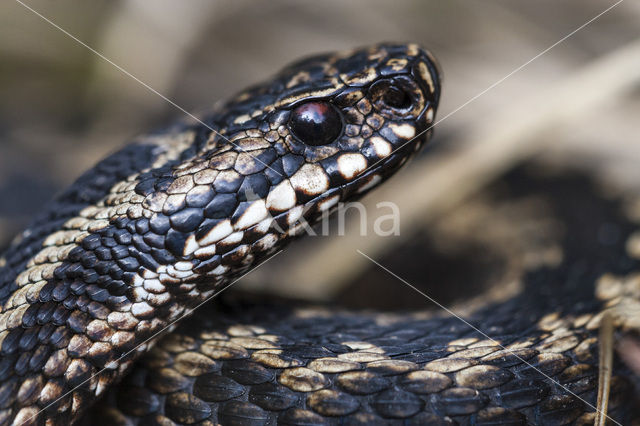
(162,225)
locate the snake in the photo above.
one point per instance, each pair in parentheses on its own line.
(104,296)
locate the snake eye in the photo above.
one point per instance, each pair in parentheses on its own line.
(315,123)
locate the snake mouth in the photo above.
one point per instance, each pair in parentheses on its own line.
(376,174)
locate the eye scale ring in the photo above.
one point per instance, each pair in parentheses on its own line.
(315,123)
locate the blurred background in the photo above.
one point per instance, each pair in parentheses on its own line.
(468,203)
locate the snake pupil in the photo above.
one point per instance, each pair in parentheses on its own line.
(315,123)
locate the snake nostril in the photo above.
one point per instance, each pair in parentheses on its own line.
(395,97)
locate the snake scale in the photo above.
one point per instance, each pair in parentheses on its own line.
(136,243)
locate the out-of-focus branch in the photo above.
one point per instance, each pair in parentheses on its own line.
(152,40)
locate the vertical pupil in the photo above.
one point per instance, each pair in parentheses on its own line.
(315,123)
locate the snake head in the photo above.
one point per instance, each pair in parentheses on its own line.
(322,131)
(280,154)
(326,129)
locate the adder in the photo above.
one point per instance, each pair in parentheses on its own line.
(96,290)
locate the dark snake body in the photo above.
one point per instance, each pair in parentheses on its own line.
(261,365)
(160,226)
